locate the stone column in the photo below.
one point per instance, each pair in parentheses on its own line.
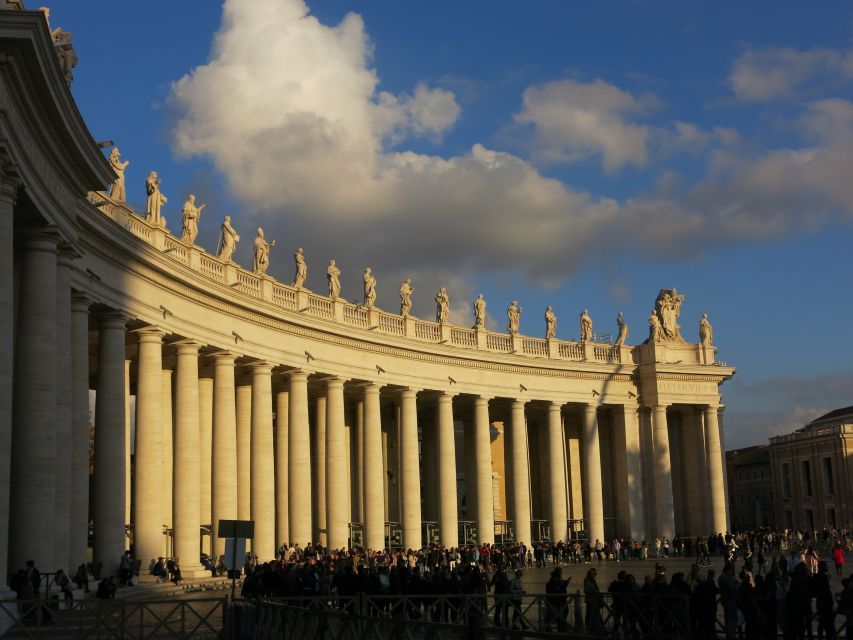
(186,465)
(448,518)
(108,485)
(78,532)
(485,510)
(243,408)
(168,425)
(31,526)
(410,472)
(520,474)
(263,466)
(205,444)
(148,467)
(299,453)
(715,470)
(358,452)
(374,492)
(128,444)
(633,488)
(319,491)
(282,517)
(62,469)
(336,466)
(223,488)
(557,473)
(9,184)
(593,493)
(662,474)
(693,461)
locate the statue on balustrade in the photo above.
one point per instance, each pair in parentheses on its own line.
(655,333)
(668,308)
(333,274)
(155,200)
(301,269)
(369,288)
(550,323)
(480,312)
(442,306)
(190,214)
(62,46)
(513,315)
(586,326)
(262,253)
(117,191)
(406,290)
(623,329)
(228,240)
(706,331)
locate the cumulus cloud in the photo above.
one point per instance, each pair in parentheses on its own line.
(772,73)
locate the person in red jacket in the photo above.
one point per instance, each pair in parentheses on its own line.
(838,558)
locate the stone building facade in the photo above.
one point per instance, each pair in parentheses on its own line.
(750,486)
(319,419)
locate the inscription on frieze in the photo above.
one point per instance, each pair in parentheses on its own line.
(687,387)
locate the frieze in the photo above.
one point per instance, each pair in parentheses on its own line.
(687,387)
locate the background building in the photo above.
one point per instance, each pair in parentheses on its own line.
(750,482)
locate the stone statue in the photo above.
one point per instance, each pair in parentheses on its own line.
(262,253)
(117,191)
(668,308)
(480,312)
(655,333)
(513,315)
(62,46)
(550,323)
(369,288)
(706,331)
(623,329)
(155,200)
(190,215)
(406,290)
(442,306)
(301,269)
(228,240)
(586,326)
(333,274)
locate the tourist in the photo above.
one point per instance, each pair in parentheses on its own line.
(824,601)
(106,589)
(594,603)
(125,570)
(838,557)
(81,578)
(61,580)
(556,600)
(728,586)
(516,591)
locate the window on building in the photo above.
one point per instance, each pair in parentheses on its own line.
(806,478)
(786,481)
(808,520)
(789,519)
(828,480)
(830,518)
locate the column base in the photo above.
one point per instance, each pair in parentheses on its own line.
(194,571)
(8,608)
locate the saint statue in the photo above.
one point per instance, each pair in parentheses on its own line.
(190,215)
(513,315)
(228,240)
(406,290)
(117,191)
(655,333)
(480,312)
(369,288)
(550,323)
(262,253)
(623,329)
(442,306)
(586,326)
(155,200)
(301,269)
(668,308)
(706,331)
(62,46)
(333,274)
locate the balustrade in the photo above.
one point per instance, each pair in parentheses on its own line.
(356,316)
(321,307)
(463,337)
(535,347)
(392,324)
(571,350)
(212,268)
(498,342)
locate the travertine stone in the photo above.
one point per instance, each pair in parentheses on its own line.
(633,471)
(406,291)
(668,308)
(593,491)
(550,323)
(168,425)
(205,444)
(243,407)
(128,445)
(442,306)
(263,466)
(155,200)
(448,520)
(520,472)
(715,469)
(369,288)
(480,312)
(190,215)
(186,465)
(301,269)
(706,331)
(282,515)
(623,330)
(693,461)
(513,316)
(117,188)
(556,473)
(78,533)
(223,488)
(411,479)
(319,470)
(336,453)
(485,511)
(108,497)
(374,492)
(299,453)
(662,473)
(333,275)
(33,436)
(586,326)
(261,253)
(148,468)
(228,239)
(62,468)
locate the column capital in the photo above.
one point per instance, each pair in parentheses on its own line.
(555,405)
(260,368)
(44,239)
(445,396)
(297,375)
(519,401)
(66,255)
(409,392)
(333,382)
(186,347)
(482,400)
(10,181)
(80,302)
(112,320)
(590,407)
(224,358)
(149,333)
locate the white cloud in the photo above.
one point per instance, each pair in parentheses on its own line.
(781,72)
(573,121)
(428,113)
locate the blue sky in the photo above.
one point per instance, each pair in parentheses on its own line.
(583,156)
